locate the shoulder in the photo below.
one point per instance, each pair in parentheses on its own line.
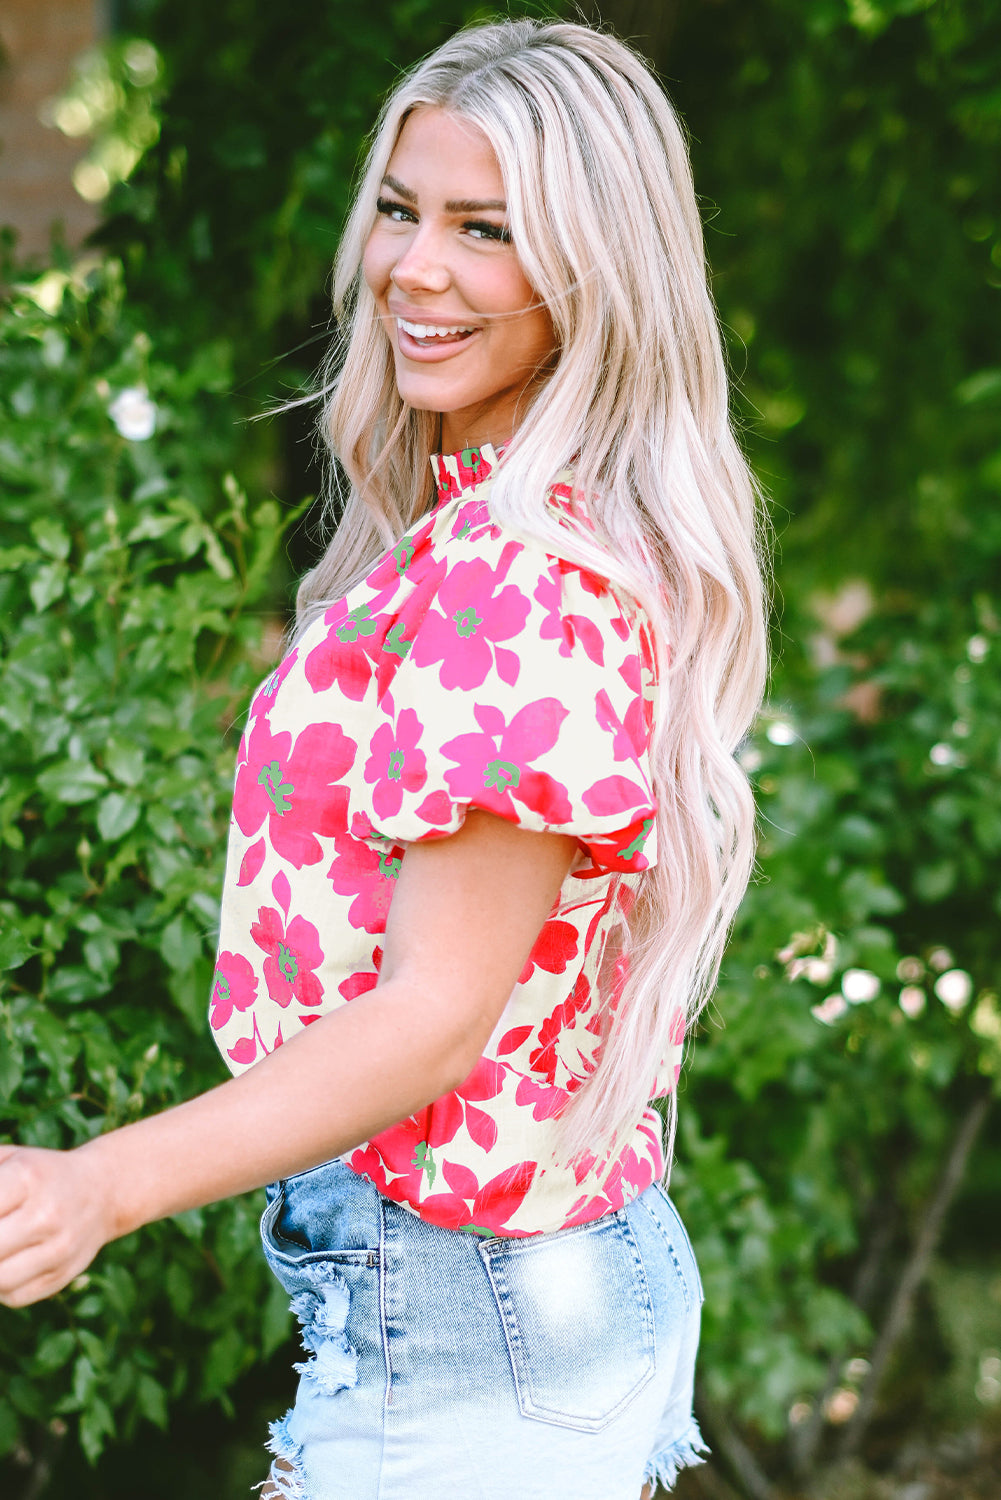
(567,600)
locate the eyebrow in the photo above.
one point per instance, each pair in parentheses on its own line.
(454,205)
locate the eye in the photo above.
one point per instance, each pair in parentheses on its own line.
(398,213)
(479,229)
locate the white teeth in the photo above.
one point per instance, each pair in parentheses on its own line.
(431,331)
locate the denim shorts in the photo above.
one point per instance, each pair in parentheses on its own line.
(445,1366)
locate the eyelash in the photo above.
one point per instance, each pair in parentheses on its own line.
(494,232)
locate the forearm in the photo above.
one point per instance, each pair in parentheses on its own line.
(350,1075)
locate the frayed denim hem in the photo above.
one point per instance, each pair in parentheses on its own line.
(663,1469)
(289,1482)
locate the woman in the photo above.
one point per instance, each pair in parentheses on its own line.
(488,798)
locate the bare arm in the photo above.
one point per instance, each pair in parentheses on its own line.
(465,914)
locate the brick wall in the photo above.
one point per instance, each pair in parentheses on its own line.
(38,41)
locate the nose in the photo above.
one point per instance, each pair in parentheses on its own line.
(421,266)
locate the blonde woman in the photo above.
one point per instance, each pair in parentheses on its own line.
(488,830)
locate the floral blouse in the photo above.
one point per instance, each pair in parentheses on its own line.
(469,669)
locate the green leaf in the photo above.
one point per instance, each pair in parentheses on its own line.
(125,760)
(12,558)
(96,1424)
(15,948)
(51,537)
(181,943)
(10,1429)
(54,1351)
(117,814)
(151,1399)
(72,781)
(48,585)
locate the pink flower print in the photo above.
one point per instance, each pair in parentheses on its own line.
(234,987)
(295,789)
(473,520)
(495,766)
(630,734)
(244,1050)
(560,625)
(250,865)
(396,765)
(473,614)
(555,946)
(293,954)
(546,1099)
(264,698)
(369,875)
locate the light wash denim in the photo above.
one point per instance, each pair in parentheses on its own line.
(443,1366)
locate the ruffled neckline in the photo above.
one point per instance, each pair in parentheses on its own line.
(455,473)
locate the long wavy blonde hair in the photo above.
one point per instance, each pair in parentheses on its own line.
(605,222)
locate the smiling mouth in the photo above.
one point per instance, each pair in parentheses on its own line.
(435,336)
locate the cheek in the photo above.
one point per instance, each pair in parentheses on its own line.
(376,265)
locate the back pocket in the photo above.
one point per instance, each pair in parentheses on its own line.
(577,1319)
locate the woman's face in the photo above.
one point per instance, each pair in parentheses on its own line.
(467,330)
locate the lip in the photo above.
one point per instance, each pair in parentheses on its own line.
(423,354)
(420,315)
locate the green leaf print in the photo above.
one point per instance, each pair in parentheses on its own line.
(287,962)
(403,553)
(502,774)
(394,641)
(467,621)
(359,622)
(272,779)
(425,1162)
(638,841)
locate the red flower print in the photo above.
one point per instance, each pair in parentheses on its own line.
(544,1060)
(396,765)
(362,980)
(469,1205)
(455,472)
(494,767)
(234,987)
(347,652)
(295,789)
(473,613)
(371,640)
(555,946)
(293,954)
(369,876)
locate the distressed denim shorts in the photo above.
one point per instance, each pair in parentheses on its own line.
(445,1366)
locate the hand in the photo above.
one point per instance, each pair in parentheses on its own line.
(55,1214)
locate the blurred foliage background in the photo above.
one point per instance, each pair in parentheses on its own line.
(839,1156)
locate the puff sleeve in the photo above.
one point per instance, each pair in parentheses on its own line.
(521,685)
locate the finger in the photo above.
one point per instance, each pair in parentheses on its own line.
(34,1290)
(14,1181)
(33,1270)
(7,1150)
(19,1233)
